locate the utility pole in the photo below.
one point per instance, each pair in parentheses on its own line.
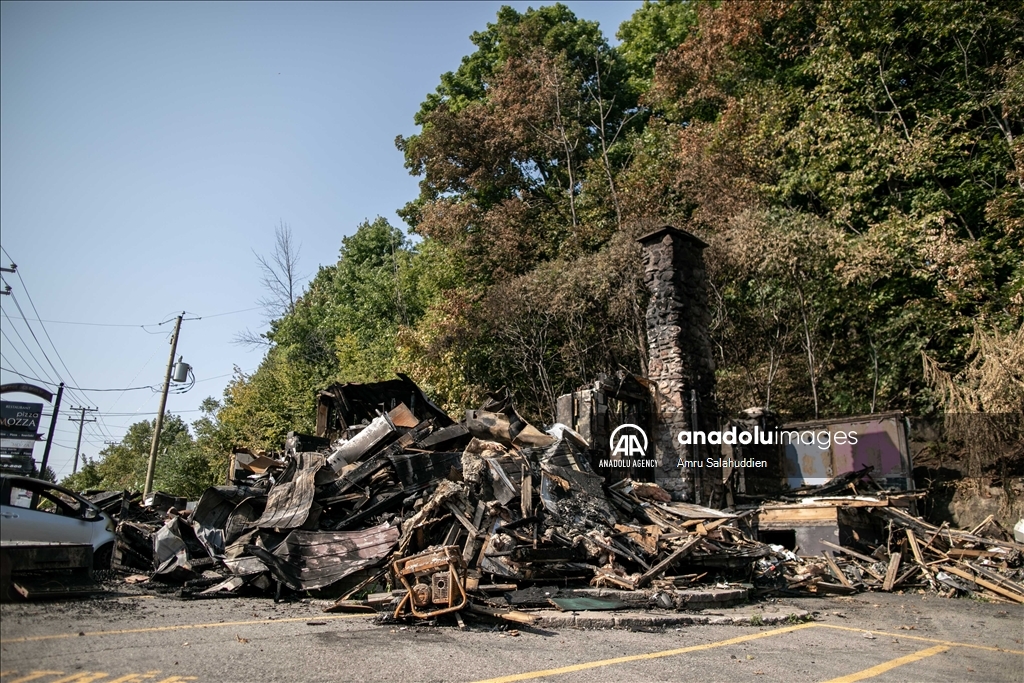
(53,423)
(160,415)
(81,424)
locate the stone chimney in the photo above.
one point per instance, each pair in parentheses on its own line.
(681,364)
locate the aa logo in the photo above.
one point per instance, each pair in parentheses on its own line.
(628,441)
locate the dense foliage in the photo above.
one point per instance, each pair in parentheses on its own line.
(186,465)
(856,166)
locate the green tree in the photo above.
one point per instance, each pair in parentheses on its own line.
(181,469)
(345,327)
(878,120)
(519,148)
(856,168)
(653,31)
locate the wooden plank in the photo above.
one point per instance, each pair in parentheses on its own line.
(711,526)
(905,520)
(497,587)
(480,555)
(667,562)
(452,535)
(622,582)
(960,553)
(803,513)
(526,493)
(847,551)
(914,547)
(836,588)
(659,519)
(691,511)
(981,526)
(622,552)
(469,550)
(907,574)
(321,419)
(934,536)
(836,571)
(993,576)
(478,515)
(890,574)
(473,531)
(512,615)
(984,583)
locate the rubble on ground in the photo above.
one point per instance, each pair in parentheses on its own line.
(421,516)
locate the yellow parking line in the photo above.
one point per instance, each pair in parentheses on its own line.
(81,677)
(180,627)
(891,664)
(636,658)
(91,677)
(950,643)
(33,676)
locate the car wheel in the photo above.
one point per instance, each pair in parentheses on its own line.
(102,558)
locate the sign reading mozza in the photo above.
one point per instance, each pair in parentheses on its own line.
(20,417)
(19,424)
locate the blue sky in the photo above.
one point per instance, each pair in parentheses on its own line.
(146,150)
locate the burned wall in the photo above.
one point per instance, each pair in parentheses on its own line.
(681,365)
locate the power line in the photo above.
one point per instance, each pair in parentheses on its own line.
(75,391)
(38,343)
(218,315)
(27,350)
(210,379)
(153,412)
(72,322)
(105,431)
(72,393)
(67,386)
(46,332)
(16,351)
(149,412)
(128,325)
(144,366)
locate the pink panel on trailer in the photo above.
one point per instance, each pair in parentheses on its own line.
(877,445)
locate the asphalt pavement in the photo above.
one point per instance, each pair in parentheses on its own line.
(157,639)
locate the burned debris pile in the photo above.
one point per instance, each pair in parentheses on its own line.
(490,515)
(984,561)
(882,546)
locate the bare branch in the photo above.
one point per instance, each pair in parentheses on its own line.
(899,114)
(279,274)
(250,339)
